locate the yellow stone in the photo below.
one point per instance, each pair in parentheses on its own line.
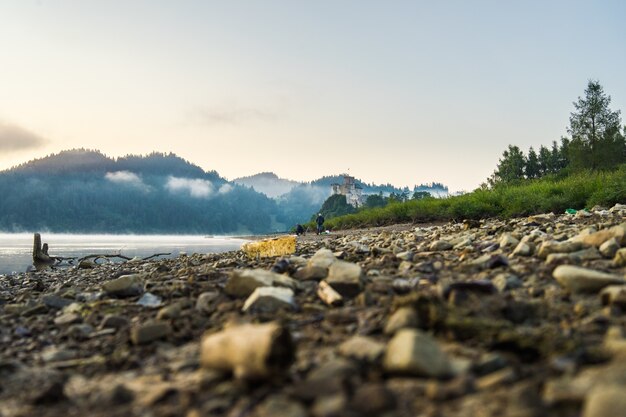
(278,246)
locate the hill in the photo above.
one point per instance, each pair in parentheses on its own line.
(85,191)
(268,183)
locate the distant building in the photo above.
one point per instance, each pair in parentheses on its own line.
(352,191)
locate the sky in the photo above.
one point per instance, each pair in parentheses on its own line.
(401,92)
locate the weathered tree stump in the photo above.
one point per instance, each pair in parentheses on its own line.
(41,259)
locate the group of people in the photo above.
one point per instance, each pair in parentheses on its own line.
(319,221)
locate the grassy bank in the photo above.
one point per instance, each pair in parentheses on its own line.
(582,190)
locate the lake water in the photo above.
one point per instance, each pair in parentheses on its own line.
(16,248)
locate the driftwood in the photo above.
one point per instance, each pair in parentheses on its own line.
(42,260)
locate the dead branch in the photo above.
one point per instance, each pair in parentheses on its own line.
(42,260)
(155,255)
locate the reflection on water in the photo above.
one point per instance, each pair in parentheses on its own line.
(16,248)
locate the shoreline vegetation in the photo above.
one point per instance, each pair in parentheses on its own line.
(582,190)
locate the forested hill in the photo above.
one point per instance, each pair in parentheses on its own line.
(86,191)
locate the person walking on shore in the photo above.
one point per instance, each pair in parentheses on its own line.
(320,223)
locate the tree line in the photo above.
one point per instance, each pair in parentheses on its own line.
(596,142)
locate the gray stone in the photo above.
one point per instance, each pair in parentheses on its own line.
(362,348)
(54,301)
(323,258)
(577,279)
(149,300)
(269,300)
(414,352)
(345,278)
(242,283)
(311,273)
(148,332)
(124,286)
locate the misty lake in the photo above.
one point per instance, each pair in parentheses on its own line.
(16,248)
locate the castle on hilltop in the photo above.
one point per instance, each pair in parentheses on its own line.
(349,188)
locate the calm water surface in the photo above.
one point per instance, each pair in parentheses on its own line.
(16,248)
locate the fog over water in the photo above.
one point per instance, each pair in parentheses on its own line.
(16,248)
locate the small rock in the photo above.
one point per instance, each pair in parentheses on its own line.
(404,317)
(345,278)
(124,286)
(55,354)
(505,282)
(112,321)
(80,331)
(609,248)
(67,319)
(598,238)
(604,401)
(149,332)
(280,405)
(311,273)
(522,249)
(54,301)
(577,279)
(549,247)
(249,351)
(328,295)
(242,283)
(414,352)
(372,399)
(206,301)
(507,241)
(620,257)
(362,348)
(149,300)
(270,300)
(323,258)
(170,312)
(614,295)
(440,245)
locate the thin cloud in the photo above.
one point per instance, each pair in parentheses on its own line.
(16,138)
(126,177)
(230,116)
(225,189)
(195,187)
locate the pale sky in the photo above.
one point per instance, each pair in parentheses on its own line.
(393,91)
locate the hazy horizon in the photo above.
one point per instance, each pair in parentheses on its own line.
(402,93)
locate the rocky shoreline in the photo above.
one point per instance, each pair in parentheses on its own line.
(518,318)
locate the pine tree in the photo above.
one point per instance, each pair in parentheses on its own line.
(595,130)
(531,168)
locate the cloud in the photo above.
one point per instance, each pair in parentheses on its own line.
(126,177)
(229,115)
(15,138)
(226,188)
(195,187)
